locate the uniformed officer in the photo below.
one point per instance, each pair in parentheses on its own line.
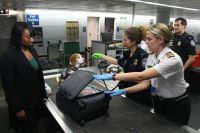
(164,69)
(183,44)
(133,60)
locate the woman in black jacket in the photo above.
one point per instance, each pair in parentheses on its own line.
(22,80)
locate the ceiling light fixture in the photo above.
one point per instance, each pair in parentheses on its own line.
(164,5)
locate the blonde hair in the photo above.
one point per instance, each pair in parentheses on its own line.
(136,34)
(161,30)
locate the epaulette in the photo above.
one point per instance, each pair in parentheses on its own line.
(170,54)
(190,37)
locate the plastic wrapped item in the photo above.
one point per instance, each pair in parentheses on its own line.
(88,91)
(47,88)
(114,69)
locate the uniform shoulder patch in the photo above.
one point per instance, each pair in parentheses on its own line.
(170,54)
(192,42)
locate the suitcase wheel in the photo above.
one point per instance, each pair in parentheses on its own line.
(81,105)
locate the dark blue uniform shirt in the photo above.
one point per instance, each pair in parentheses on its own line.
(183,45)
(135,63)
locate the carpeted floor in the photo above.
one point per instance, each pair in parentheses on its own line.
(194,121)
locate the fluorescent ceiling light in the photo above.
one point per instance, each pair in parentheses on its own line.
(164,5)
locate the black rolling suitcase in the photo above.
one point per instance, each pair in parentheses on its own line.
(81,100)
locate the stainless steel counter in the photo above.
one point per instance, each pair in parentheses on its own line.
(125,116)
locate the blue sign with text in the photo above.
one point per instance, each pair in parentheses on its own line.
(32,19)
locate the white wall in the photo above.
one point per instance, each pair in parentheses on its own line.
(193,26)
(53,23)
(143,20)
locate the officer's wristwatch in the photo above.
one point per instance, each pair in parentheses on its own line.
(113,77)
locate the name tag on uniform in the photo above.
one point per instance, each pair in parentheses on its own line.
(148,66)
(135,62)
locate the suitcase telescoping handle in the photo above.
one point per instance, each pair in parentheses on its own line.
(99,61)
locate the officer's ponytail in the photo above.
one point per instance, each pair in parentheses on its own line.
(143,31)
(161,30)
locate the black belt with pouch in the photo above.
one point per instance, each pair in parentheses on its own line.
(184,95)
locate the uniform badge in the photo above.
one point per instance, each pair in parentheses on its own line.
(170,44)
(192,43)
(179,43)
(135,62)
(170,54)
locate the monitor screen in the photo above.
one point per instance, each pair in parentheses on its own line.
(106,36)
(38,34)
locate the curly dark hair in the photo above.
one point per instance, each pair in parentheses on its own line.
(136,34)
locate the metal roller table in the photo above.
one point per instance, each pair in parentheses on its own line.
(125,116)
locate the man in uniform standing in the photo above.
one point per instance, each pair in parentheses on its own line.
(183,45)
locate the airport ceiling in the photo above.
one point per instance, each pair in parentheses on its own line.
(118,6)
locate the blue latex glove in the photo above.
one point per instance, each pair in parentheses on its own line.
(115,92)
(103,76)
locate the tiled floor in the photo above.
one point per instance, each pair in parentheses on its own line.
(4,116)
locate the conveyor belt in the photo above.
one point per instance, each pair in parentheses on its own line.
(125,115)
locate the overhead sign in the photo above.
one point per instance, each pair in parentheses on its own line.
(32,19)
